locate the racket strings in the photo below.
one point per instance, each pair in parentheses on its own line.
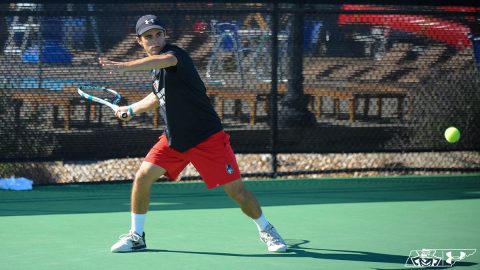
(104,93)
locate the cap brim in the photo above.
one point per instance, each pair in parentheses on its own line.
(149,28)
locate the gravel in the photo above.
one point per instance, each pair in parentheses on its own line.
(318,165)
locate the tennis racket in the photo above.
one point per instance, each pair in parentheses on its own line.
(102,95)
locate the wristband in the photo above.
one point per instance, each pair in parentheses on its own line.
(130,111)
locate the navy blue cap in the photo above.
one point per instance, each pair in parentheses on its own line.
(148,22)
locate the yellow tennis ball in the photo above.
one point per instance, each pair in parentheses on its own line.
(452,135)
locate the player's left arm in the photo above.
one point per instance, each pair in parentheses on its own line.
(148,63)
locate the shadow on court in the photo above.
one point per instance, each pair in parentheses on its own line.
(101,198)
(296,250)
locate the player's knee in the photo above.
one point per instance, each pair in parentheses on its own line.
(148,174)
(140,174)
(143,176)
(238,193)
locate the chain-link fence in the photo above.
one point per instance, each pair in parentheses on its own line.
(302,88)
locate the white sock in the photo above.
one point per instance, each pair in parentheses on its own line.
(261,222)
(138,222)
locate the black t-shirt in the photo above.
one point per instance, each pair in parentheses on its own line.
(185,107)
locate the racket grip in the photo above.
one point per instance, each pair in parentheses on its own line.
(124,115)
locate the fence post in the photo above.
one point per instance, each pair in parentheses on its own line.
(274,90)
(294,112)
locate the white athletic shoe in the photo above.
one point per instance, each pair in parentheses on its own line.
(272,238)
(129,242)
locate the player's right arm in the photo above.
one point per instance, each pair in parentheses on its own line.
(148,103)
(148,63)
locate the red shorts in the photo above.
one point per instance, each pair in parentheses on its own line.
(213,158)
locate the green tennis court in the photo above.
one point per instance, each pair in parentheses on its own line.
(329,223)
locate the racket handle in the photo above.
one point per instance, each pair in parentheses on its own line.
(124,115)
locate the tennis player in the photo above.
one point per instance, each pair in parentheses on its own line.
(193,133)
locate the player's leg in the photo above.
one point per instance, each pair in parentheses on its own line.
(146,175)
(159,161)
(250,206)
(134,240)
(244,198)
(215,161)
(144,178)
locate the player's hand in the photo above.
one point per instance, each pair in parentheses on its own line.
(123,111)
(113,66)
